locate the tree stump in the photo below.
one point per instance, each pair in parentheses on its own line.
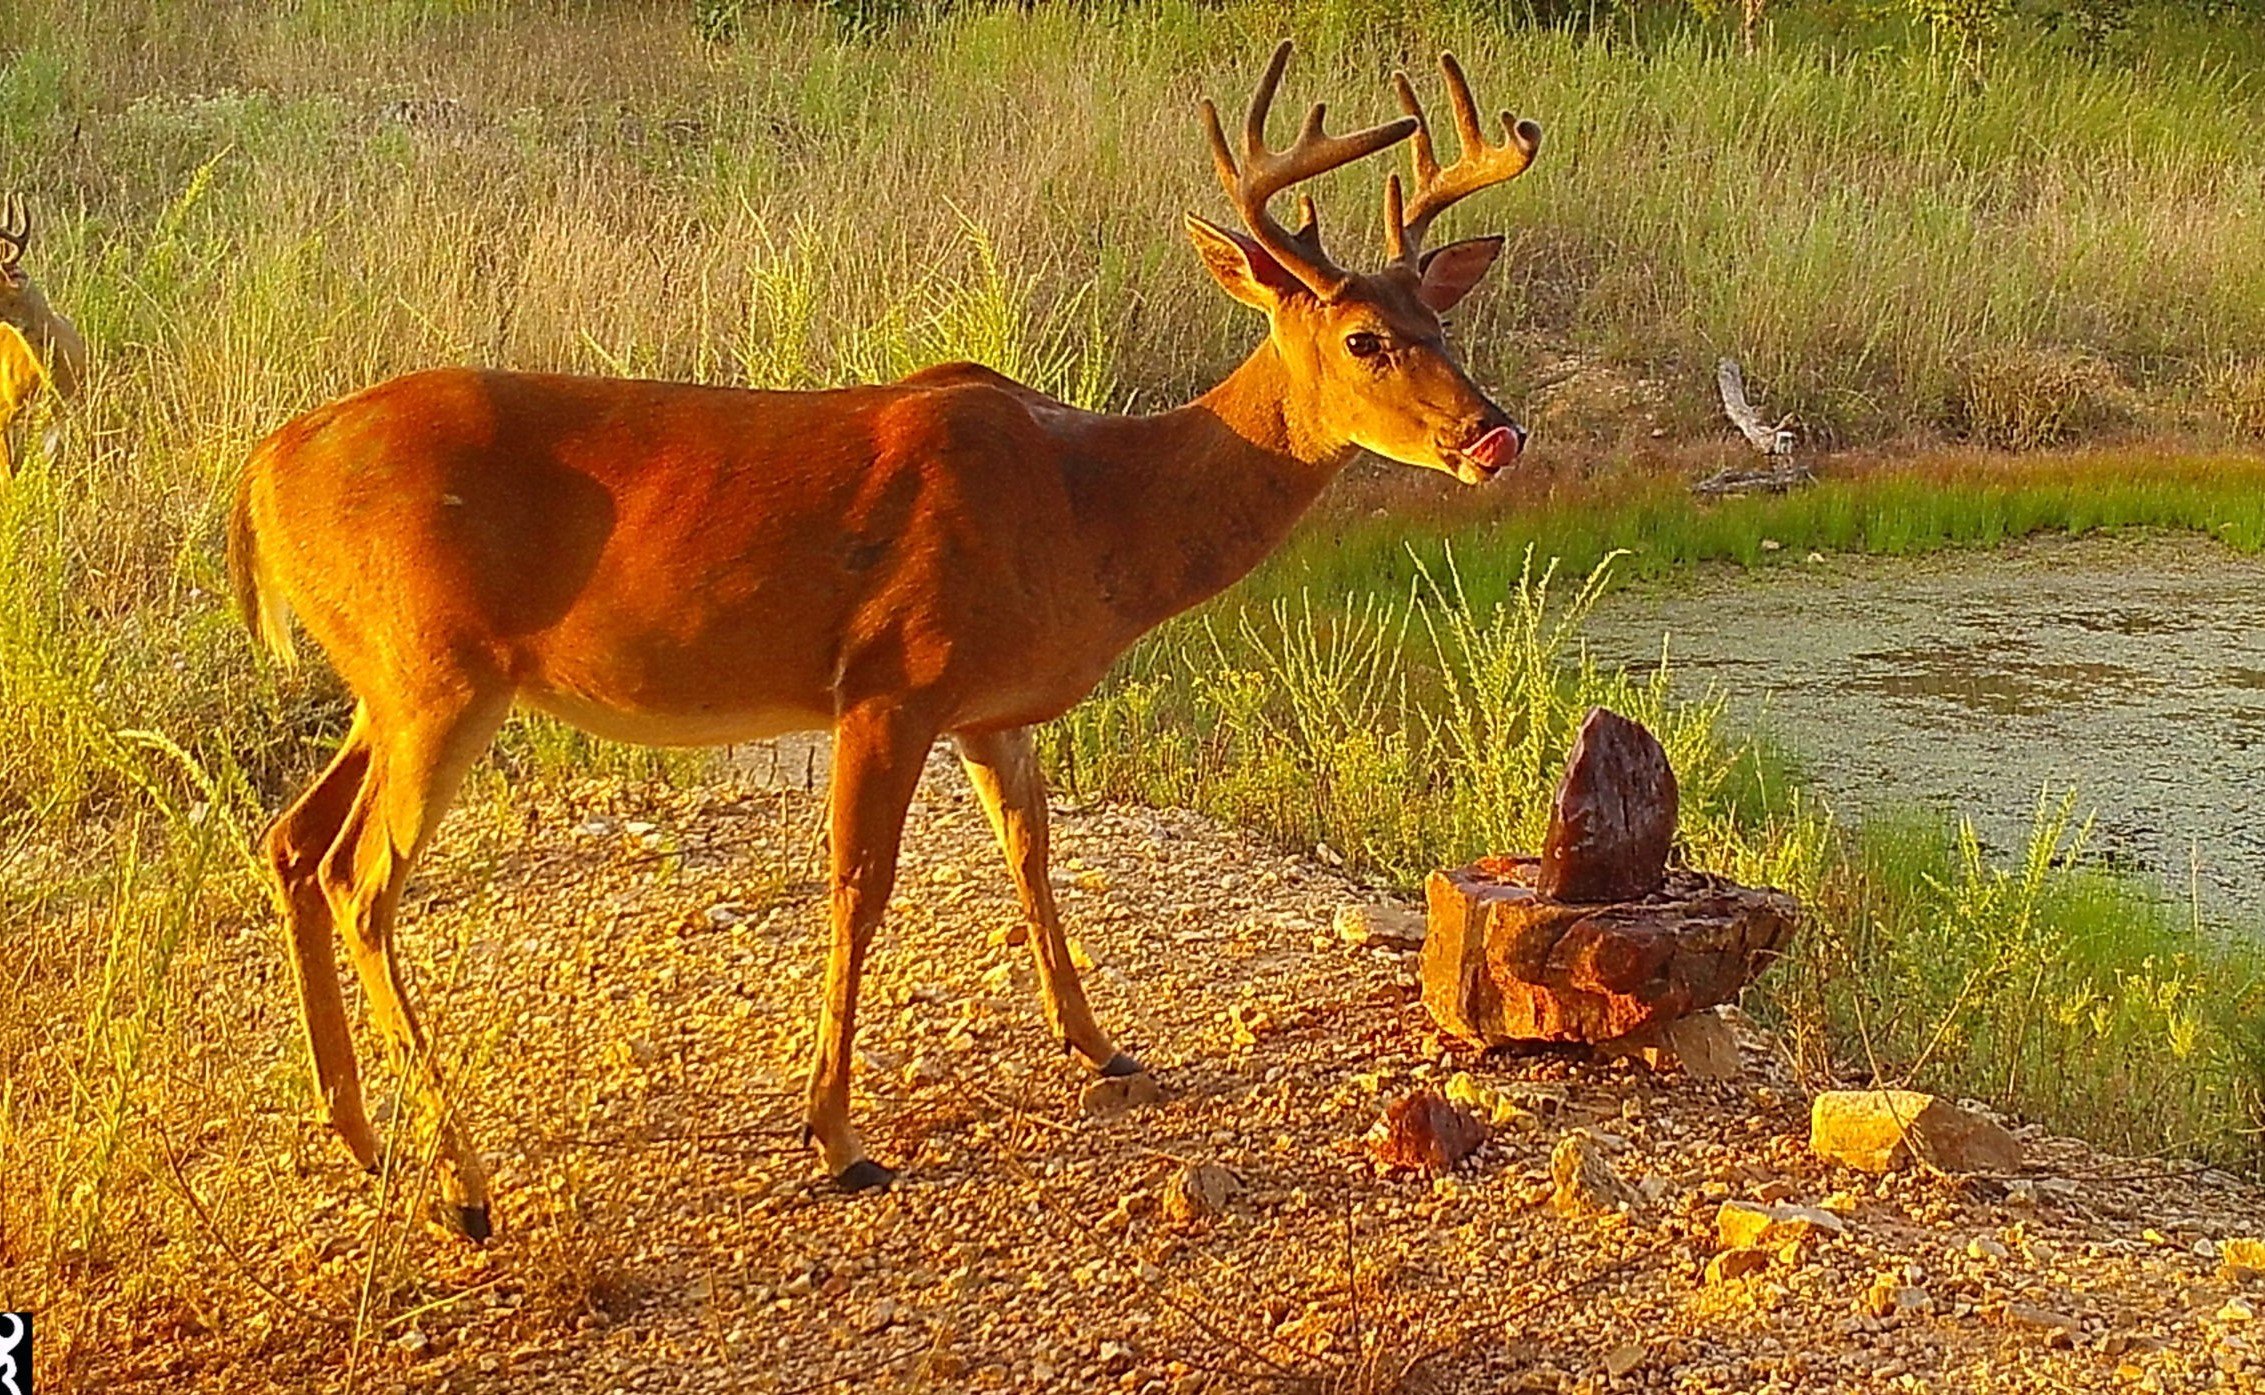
(1596,938)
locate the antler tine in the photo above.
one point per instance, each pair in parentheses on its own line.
(15,230)
(1263,172)
(1480,164)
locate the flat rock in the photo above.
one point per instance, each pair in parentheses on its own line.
(2059,1328)
(1425,1133)
(1502,962)
(1748,1224)
(1888,1130)
(1379,925)
(1733,1265)
(1702,1045)
(1624,1358)
(1613,820)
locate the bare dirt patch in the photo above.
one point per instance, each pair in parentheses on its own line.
(628,971)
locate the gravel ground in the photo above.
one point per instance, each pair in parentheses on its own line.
(628,973)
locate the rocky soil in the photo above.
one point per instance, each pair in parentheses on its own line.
(627,973)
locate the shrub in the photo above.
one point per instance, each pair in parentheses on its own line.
(2035,399)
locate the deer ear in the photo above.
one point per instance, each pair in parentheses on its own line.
(1450,272)
(1245,270)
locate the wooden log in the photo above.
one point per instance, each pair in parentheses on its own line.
(1503,963)
(1613,820)
(1730,381)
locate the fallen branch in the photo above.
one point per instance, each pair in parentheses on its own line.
(1775,443)
(1776,479)
(1769,440)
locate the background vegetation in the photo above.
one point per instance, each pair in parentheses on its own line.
(1994,227)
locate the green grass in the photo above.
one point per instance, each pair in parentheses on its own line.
(2085,998)
(1658,527)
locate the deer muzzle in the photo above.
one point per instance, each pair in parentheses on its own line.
(1492,451)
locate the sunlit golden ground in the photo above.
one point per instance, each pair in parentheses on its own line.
(623,974)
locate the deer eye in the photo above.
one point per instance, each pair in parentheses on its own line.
(1363,344)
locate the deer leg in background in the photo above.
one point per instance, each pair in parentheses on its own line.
(878,752)
(1003,767)
(416,764)
(295,846)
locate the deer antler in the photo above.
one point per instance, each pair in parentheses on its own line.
(1263,173)
(1479,166)
(15,232)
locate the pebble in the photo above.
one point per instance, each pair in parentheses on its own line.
(1199,1192)
(1624,1358)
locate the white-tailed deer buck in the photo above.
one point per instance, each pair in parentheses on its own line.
(39,348)
(953,553)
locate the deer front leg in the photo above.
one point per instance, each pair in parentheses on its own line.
(877,758)
(1003,767)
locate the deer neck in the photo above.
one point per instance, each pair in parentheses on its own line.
(54,338)
(1218,485)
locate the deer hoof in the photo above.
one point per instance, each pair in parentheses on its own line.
(471,1222)
(864,1175)
(1121,1065)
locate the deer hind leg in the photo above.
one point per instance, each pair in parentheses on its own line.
(1003,767)
(417,763)
(295,846)
(877,758)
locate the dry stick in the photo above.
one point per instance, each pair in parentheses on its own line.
(1871,1056)
(2021,1030)
(2190,1168)
(1942,1027)
(712,1136)
(1014,1109)
(1352,1277)
(220,1238)
(443,1301)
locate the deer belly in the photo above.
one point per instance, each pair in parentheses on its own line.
(696,726)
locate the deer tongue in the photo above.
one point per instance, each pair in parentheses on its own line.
(1494,450)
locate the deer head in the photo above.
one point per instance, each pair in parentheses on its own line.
(1365,355)
(56,341)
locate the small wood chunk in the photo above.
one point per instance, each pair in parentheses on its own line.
(1614,816)
(1425,1133)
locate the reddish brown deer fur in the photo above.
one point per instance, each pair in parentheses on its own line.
(949,554)
(39,348)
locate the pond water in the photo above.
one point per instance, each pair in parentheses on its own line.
(2131,671)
